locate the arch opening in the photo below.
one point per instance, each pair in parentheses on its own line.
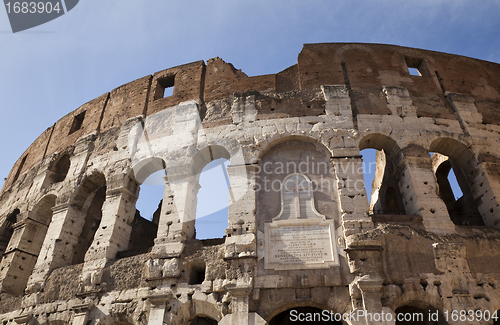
(8,229)
(304,315)
(454,190)
(93,218)
(212,204)
(380,156)
(202,320)
(59,170)
(149,178)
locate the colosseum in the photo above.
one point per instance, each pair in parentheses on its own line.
(304,244)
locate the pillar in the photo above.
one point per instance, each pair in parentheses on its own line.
(21,254)
(177,215)
(58,246)
(81,313)
(338,104)
(486,191)
(418,188)
(352,194)
(113,234)
(157,311)
(240,234)
(240,312)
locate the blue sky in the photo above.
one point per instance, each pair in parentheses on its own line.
(50,70)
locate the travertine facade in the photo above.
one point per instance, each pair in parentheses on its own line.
(75,251)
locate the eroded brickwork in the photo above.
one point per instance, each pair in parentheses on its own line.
(76,251)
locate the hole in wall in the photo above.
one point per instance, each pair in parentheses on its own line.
(165,87)
(197,273)
(416,66)
(77,123)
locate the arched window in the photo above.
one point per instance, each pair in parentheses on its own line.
(60,169)
(369,165)
(203,208)
(380,154)
(202,320)
(92,221)
(147,213)
(8,229)
(213,200)
(149,175)
(454,190)
(89,199)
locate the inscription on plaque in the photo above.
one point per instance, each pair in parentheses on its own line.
(301,244)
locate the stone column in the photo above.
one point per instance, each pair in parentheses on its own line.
(240,312)
(157,311)
(374,313)
(112,236)
(338,104)
(365,262)
(352,194)
(58,246)
(177,215)
(81,313)
(400,102)
(21,254)
(240,239)
(418,188)
(486,191)
(466,110)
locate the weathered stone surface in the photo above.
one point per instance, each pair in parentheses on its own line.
(75,249)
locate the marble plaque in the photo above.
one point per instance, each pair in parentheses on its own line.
(300,244)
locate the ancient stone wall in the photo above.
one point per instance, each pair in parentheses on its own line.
(302,235)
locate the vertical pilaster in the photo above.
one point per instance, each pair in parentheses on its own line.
(81,313)
(466,111)
(418,188)
(240,311)
(486,190)
(374,313)
(157,311)
(113,234)
(338,104)
(58,246)
(21,255)
(177,215)
(352,194)
(400,102)
(240,239)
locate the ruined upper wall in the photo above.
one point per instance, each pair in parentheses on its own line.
(364,68)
